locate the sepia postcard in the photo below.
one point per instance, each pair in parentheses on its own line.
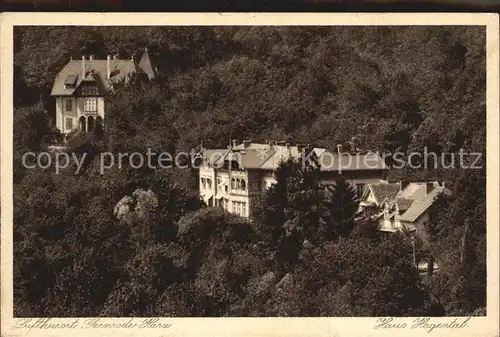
(242,174)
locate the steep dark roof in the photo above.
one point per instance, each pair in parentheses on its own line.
(71,73)
(403,204)
(331,161)
(384,190)
(267,157)
(120,69)
(214,157)
(418,207)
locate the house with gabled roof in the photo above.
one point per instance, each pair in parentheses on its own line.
(80,87)
(376,193)
(397,206)
(233,178)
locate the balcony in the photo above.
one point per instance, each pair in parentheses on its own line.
(394,226)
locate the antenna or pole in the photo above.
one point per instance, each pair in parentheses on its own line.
(413,248)
(230,155)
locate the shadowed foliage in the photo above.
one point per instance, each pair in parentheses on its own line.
(139,242)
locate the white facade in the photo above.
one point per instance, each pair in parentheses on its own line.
(406,208)
(229,190)
(78,113)
(233,178)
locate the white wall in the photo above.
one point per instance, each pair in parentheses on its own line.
(75,113)
(371,197)
(206,192)
(420,226)
(267,182)
(62,114)
(59,115)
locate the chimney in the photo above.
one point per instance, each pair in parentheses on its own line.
(83,67)
(91,58)
(108,67)
(115,57)
(235,141)
(339,148)
(71,58)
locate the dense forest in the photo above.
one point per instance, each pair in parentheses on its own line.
(133,242)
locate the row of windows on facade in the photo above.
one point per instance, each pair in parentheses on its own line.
(85,124)
(89,105)
(240,184)
(236,184)
(85,89)
(237,207)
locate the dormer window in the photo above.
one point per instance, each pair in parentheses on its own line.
(70,82)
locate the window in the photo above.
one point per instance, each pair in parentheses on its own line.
(99,123)
(359,189)
(69,124)
(83,124)
(233,209)
(89,89)
(70,82)
(243,209)
(238,208)
(90,124)
(90,104)
(243,185)
(209,183)
(69,105)
(203,183)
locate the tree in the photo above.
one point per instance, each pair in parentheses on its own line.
(458,242)
(341,208)
(306,85)
(275,202)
